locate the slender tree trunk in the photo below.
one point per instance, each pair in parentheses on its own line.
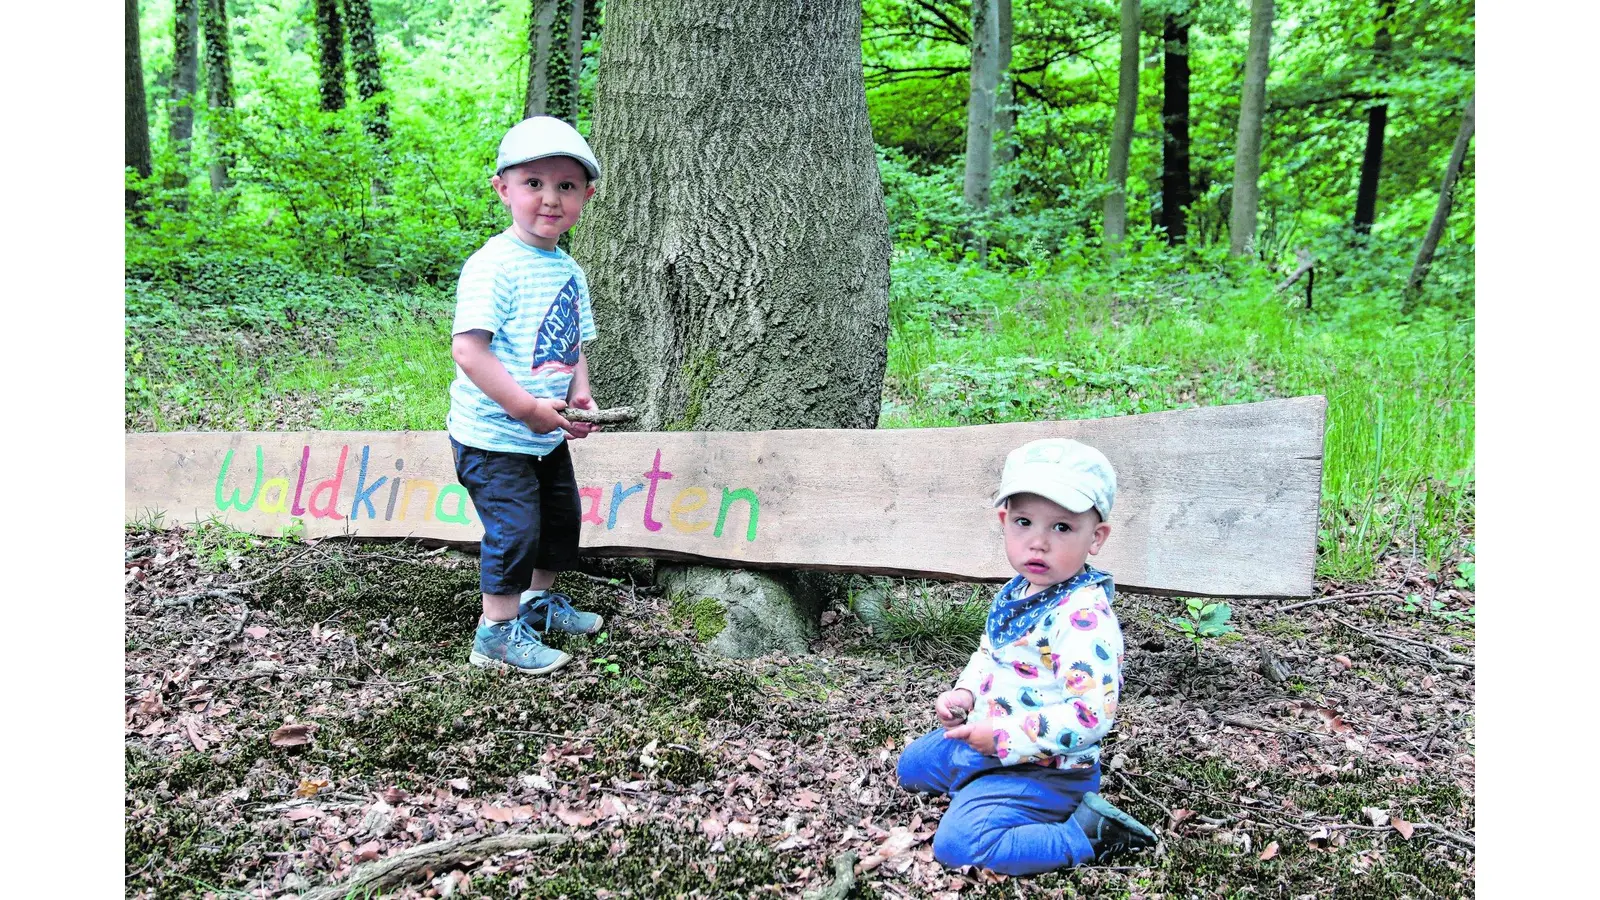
(1377,120)
(219,85)
(135,118)
(1005,113)
(186,70)
(330,59)
(985,77)
(1441,213)
(541,18)
(1247,149)
(368,69)
(1175,177)
(738,250)
(574,59)
(1116,202)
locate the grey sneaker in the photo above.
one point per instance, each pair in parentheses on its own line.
(514,644)
(1110,830)
(553,611)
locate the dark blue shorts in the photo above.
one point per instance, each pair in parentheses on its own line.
(529,508)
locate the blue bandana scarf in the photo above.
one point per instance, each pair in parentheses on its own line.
(1014,615)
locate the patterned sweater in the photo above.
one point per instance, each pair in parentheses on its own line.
(1048,671)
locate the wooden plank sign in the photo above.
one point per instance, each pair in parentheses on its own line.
(1220,501)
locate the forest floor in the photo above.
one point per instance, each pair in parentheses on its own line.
(297,714)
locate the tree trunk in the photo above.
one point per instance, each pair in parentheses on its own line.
(1175,177)
(1005,113)
(985,77)
(219,84)
(1116,203)
(1247,149)
(1441,213)
(738,250)
(1377,120)
(541,17)
(364,60)
(186,69)
(330,59)
(574,59)
(135,119)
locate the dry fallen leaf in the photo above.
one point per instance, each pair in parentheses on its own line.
(712,827)
(1270,851)
(393,795)
(496,813)
(1401,825)
(575,819)
(743,829)
(368,851)
(256,631)
(309,787)
(1178,815)
(1375,815)
(460,784)
(303,812)
(296,735)
(1343,661)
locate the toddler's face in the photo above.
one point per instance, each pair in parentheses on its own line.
(1046,542)
(544,197)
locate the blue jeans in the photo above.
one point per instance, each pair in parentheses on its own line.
(529,508)
(1014,820)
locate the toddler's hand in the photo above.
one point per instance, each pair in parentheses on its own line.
(581,429)
(544,416)
(979,736)
(953,706)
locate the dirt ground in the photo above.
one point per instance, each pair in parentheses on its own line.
(296,712)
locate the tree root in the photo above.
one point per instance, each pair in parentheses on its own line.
(844,878)
(391,871)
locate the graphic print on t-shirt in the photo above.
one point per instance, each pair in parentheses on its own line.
(555,347)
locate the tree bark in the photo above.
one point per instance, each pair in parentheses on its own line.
(1005,113)
(1247,149)
(135,118)
(368,68)
(738,250)
(186,71)
(1377,121)
(330,58)
(574,59)
(1175,177)
(541,18)
(983,83)
(1116,202)
(1441,213)
(219,84)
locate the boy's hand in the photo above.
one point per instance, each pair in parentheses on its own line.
(953,706)
(581,429)
(544,416)
(978,736)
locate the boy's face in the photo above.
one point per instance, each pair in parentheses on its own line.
(544,197)
(1046,542)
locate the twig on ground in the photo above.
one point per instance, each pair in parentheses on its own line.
(231,589)
(239,628)
(392,871)
(844,879)
(1446,657)
(1255,726)
(1143,796)
(1333,597)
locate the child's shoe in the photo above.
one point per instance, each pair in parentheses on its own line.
(553,611)
(1110,830)
(514,644)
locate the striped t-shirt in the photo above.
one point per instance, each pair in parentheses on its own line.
(536,304)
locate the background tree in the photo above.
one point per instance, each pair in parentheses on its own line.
(1116,202)
(1441,213)
(1175,177)
(368,68)
(1377,120)
(1005,109)
(186,73)
(541,20)
(219,86)
(330,58)
(983,85)
(1247,149)
(574,59)
(135,119)
(738,249)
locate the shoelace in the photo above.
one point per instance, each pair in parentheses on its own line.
(522,632)
(553,602)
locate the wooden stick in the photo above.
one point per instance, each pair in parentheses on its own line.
(613,416)
(1329,599)
(844,878)
(391,871)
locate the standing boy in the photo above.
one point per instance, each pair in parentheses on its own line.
(522,314)
(1019,751)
